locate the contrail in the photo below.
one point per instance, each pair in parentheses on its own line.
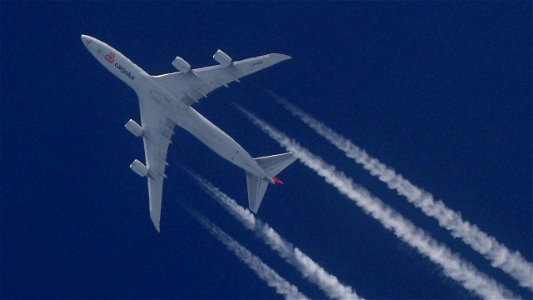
(262,270)
(452,265)
(294,256)
(512,263)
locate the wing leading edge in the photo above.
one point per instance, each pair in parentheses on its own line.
(157,133)
(195,84)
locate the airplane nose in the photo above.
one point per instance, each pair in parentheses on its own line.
(86,40)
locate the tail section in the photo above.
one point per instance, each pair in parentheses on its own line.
(272,165)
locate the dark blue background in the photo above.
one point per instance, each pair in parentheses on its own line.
(439,91)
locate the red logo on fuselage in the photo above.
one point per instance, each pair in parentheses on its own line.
(110,57)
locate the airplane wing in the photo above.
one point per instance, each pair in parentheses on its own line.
(192,85)
(157,133)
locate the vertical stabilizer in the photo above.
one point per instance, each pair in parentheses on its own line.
(272,165)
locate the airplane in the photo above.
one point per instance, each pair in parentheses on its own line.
(166,101)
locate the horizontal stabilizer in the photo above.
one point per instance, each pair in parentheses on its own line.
(272,165)
(256,191)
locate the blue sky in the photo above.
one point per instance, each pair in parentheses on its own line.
(441,92)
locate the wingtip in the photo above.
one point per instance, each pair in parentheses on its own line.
(155,221)
(280,57)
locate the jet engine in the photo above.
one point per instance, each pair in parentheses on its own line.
(222,58)
(134,128)
(139,168)
(182,65)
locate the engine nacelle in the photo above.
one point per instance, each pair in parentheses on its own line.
(134,128)
(182,65)
(139,168)
(222,58)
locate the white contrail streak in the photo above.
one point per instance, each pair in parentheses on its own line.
(452,265)
(513,263)
(291,254)
(262,270)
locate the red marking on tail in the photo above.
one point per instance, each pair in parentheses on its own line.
(276,180)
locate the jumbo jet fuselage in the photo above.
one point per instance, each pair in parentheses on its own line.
(179,112)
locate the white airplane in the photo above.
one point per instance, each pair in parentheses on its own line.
(165,101)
